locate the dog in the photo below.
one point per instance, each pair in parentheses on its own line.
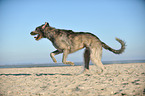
(67,41)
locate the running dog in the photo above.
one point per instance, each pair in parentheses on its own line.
(67,41)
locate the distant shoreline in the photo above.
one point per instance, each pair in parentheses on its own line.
(62,65)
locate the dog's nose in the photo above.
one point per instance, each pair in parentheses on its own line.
(32,33)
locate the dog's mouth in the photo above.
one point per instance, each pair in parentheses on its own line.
(37,37)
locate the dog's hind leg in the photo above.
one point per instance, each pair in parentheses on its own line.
(52,54)
(65,53)
(96,55)
(86,61)
(86,58)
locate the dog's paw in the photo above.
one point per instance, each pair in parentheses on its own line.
(100,72)
(54,61)
(68,62)
(84,72)
(71,63)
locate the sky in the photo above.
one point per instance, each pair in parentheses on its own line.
(106,19)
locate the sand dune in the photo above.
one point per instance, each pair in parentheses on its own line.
(117,80)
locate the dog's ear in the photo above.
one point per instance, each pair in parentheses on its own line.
(46,24)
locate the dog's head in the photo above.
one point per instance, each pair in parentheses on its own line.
(39,31)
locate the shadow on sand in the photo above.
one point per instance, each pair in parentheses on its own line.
(41,74)
(15,74)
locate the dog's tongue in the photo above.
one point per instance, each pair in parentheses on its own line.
(36,37)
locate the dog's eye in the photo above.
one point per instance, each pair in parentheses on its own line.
(37,29)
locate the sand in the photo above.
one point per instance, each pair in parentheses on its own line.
(117,80)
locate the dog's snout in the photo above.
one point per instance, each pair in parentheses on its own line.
(33,33)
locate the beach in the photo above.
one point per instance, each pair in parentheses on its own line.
(116,80)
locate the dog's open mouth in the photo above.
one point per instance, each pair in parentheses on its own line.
(37,37)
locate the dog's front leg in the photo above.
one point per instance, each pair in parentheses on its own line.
(52,54)
(65,53)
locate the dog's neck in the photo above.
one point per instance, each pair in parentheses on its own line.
(50,33)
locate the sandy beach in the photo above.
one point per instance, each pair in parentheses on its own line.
(117,80)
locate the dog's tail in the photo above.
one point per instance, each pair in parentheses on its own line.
(121,50)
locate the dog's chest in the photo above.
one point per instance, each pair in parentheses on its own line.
(61,43)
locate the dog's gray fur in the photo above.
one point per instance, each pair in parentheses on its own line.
(67,41)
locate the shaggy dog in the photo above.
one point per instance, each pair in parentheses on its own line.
(67,41)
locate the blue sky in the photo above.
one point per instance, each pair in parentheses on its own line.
(106,19)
